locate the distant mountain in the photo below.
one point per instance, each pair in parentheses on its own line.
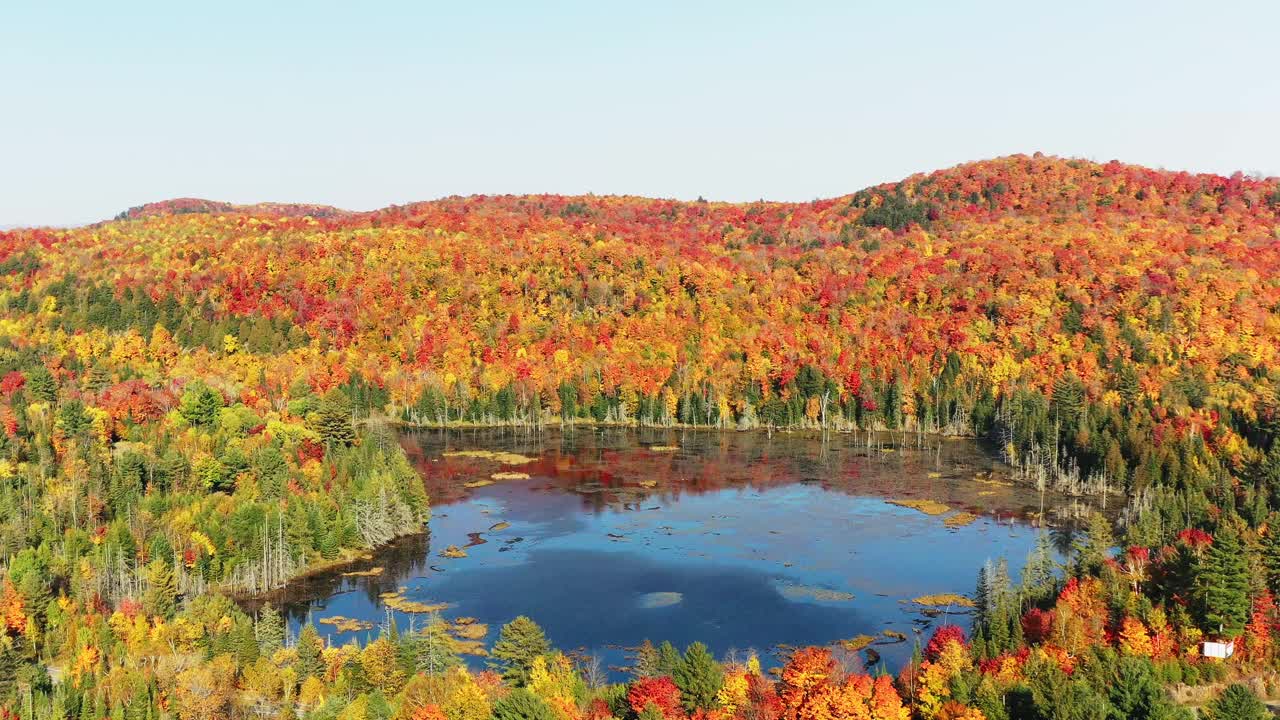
(184,206)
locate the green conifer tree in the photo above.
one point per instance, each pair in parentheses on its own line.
(270,630)
(520,642)
(162,591)
(1222,585)
(699,678)
(1237,702)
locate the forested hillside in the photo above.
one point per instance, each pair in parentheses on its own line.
(183,392)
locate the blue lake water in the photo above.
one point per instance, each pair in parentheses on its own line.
(739,540)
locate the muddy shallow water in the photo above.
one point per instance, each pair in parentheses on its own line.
(740,540)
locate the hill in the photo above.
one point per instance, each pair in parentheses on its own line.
(179,389)
(1012,272)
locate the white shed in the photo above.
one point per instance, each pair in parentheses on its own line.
(1216,649)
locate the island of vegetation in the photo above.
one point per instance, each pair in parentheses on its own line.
(196,402)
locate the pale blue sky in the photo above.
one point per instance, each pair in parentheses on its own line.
(104,105)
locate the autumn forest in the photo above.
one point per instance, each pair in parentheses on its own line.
(200,403)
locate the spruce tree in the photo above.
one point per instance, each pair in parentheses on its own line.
(1237,702)
(668,658)
(699,678)
(1222,585)
(270,630)
(1096,547)
(1271,552)
(519,644)
(244,644)
(162,591)
(310,647)
(981,598)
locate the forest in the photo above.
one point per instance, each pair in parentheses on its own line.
(198,403)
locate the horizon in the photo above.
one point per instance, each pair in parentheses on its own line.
(377,208)
(365,108)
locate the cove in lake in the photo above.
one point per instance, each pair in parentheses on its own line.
(739,540)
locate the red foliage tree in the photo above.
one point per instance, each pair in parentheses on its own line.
(943,635)
(659,691)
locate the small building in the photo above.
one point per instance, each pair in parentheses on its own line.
(1218,649)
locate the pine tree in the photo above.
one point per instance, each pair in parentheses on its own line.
(646,661)
(519,644)
(200,404)
(270,630)
(699,678)
(1136,694)
(1271,552)
(1237,702)
(310,647)
(668,658)
(162,591)
(981,598)
(41,385)
(330,544)
(1222,584)
(520,704)
(244,644)
(434,650)
(1096,548)
(333,419)
(1039,577)
(10,661)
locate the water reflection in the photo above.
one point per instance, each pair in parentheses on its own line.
(735,539)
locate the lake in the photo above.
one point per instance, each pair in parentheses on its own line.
(740,540)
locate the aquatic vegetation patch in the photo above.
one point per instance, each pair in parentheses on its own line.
(895,635)
(453,551)
(477,484)
(468,636)
(959,520)
(505,458)
(342,623)
(510,476)
(792,591)
(943,600)
(856,643)
(499,526)
(371,572)
(653,600)
(664,448)
(397,601)
(928,507)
